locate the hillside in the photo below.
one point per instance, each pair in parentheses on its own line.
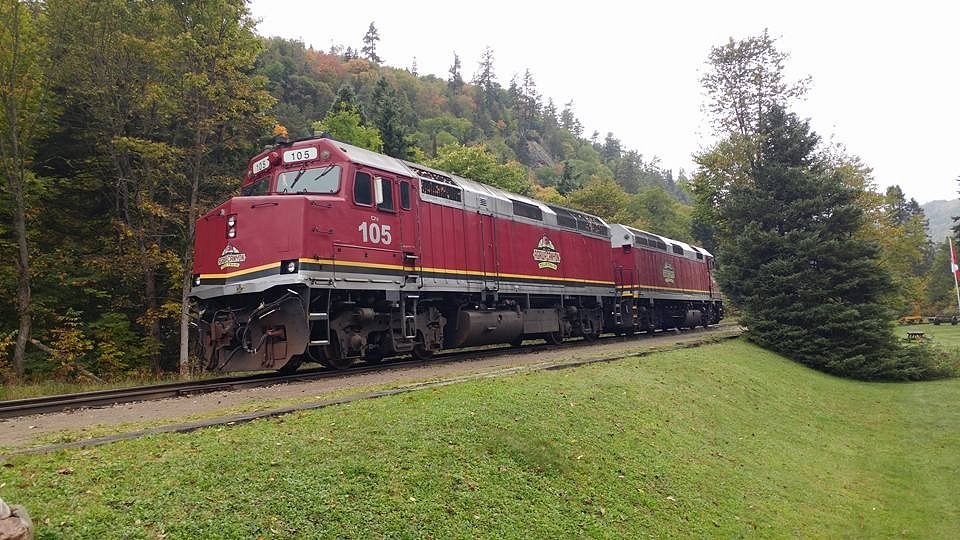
(726,440)
(419,114)
(940,215)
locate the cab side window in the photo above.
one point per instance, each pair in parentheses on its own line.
(405,195)
(387,187)
(363,189)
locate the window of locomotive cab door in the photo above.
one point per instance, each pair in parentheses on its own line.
(363,189)
(404,195)
(383,190)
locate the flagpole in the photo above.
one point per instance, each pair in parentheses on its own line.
(956,286)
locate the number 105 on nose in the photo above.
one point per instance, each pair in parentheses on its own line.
(300,154)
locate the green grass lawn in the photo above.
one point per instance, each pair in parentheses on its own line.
(946,335)
(724,440)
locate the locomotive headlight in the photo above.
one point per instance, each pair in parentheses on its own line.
(231,221)
(291,267)
(196,279)
(231,232)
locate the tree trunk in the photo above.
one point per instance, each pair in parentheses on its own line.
(23,278)
(150,290)
(10,155)
(188,263)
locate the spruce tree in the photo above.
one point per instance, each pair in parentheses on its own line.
(346,100)
(387,118)
(455,82)
(369,49)
(488,91)
(810,288)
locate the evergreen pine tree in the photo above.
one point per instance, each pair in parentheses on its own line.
(488,89)
(810,288)
(569,121)
(369,50)
(346,100)
(455,82)
(567,183)
(387,118)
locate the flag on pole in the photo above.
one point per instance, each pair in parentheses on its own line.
(953,260)
(955,270)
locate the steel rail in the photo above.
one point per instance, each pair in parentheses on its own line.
(105,398)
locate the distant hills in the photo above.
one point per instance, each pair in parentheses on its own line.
(940,215)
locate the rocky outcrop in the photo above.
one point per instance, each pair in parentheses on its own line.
(539,157)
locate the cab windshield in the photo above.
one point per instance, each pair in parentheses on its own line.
(259,187)
(325,179)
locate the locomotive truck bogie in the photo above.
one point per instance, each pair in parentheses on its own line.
(254,331)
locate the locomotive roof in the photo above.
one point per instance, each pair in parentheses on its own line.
(374,159)
(409,168)
(476,195)
(630,235)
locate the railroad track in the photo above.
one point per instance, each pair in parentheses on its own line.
(105,398)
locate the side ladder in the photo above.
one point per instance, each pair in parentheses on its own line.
(320,322)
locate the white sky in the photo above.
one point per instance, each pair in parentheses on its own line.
(886,75)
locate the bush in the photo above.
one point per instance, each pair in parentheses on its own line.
(906,362)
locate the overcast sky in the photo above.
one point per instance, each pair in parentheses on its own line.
(886,76)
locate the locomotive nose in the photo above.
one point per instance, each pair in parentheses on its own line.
(248,238)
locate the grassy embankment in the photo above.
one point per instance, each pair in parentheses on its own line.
(52,387)
(723,440)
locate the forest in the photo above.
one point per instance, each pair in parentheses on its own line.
(122,122)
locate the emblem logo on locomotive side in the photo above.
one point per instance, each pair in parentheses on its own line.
(546,254)
(669,274)
(231,258)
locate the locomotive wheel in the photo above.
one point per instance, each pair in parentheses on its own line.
(517,342)
(291,366)
(553,338)
(422,353)
(331,356)
(650,328)
(374,354)
(338,363)
(591,336)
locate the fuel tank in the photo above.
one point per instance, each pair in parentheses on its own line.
(694,318)
(486,327)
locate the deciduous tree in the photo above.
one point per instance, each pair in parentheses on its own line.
(345,125)
(744,80)
(477,163)
(24,96)
(215,47)
(601,197)
(655,210)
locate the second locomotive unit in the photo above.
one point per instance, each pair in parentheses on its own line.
(336,254)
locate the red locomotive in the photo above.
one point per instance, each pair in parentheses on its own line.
(336,254)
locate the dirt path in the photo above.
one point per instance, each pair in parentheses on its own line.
(24,431)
